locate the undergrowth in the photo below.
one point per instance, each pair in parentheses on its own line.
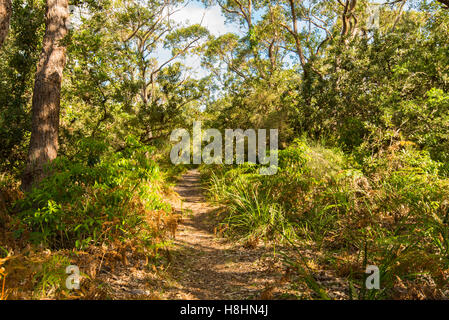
(94,199)
(389,210)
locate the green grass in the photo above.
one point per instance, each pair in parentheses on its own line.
(390,210)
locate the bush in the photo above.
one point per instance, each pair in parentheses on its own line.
(391,211)
(91,199)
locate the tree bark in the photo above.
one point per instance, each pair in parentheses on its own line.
(5,16)
(46,95)
(349,21)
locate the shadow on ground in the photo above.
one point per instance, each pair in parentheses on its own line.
(204,266)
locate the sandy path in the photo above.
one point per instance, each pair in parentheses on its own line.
(207,267)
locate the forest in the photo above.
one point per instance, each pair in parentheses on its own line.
(347,100)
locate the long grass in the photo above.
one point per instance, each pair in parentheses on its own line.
(390,210)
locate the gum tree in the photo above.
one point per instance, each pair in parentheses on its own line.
(47,92)
(5,16)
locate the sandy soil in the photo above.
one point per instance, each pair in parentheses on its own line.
(205,266)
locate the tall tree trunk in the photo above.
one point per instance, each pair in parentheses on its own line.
(5,15)
(349,20)
(46,95)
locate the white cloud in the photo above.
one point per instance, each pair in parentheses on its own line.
(211,18)
(195,13)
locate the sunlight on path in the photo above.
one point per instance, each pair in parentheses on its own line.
(207,267)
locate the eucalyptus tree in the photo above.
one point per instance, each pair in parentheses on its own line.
(5,16)
(123,57)
(44,142)
(150,41)
(18,59)
(253,52)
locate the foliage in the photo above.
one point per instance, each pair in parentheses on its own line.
(18,58)
(91,199)
(52,276)
(393,209)
(362,114)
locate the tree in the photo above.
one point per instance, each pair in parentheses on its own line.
(445,2)
(18,60)
(5,15)
(119,82)
(46,95)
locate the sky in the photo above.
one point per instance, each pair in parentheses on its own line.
(211,18)
(193,13)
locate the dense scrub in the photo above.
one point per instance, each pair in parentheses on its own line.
(97,198)
(390,211)
(372,187)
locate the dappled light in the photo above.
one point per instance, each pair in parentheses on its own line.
(224,150)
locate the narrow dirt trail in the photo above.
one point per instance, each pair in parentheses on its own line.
(204,266)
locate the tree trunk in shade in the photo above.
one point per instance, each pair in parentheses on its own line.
(46,95)
(5,16)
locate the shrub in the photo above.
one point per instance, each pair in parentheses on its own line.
(92,199)
(391,211)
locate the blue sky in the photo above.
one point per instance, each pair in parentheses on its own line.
(211,18)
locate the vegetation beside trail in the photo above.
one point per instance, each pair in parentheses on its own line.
(358,91)
(118,203)
(390,213)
